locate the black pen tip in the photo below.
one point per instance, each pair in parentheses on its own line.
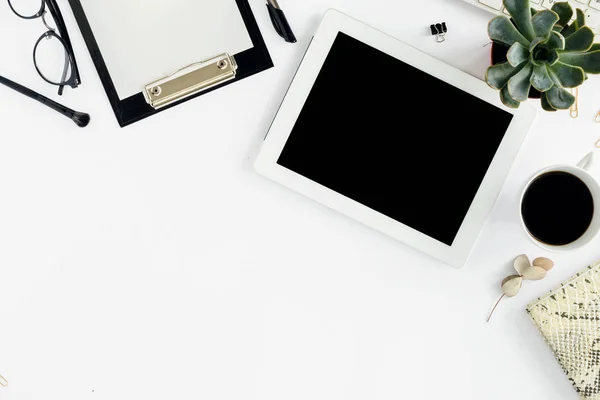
(81,119)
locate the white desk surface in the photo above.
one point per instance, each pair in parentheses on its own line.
(152,263)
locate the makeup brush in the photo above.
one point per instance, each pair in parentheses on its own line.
(81,119)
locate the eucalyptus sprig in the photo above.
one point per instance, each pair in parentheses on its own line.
(511,285)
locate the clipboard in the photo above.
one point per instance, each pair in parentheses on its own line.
(155,54)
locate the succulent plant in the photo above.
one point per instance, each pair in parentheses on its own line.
(546,50)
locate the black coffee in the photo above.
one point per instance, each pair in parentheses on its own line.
(557,208)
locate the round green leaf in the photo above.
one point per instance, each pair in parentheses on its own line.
(517,54)
(545,105)
(543,55)
(497,76)
(501,30)
(580,18)
(568,75)
(543,22)
(590,62)
(507,100)
(535,42)
(519,84)
(533,61)
(569,29)
(556,41)
(559,98)
(577,23)
(582,40)
(540,79)
(520,12)
(564,11)
(553,58)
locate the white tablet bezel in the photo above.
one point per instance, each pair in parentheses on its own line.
(266,163)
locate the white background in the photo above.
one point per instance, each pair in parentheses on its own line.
(152,262)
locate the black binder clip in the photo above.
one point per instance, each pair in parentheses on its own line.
(439,30)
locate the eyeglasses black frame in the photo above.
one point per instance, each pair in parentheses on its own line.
(62,36)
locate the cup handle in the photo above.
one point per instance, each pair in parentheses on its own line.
(587,162)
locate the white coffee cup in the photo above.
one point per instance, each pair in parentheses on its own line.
(582,171)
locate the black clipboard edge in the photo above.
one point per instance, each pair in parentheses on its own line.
(135,108)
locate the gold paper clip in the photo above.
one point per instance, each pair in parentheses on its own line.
(597,119)
(575,107)
(3,382)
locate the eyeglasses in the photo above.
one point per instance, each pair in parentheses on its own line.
(53,54)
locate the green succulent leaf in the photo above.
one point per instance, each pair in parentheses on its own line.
(564,11)
(545,105)
(517,54)
(542,55)
(533,61)
(520,12)
(577,23)
(519,84)
(590,61)
(595,47)
(559,98)
(500,29)
(582,40)
(569,30)
(540,78)
(567,75)
(543,22)
(556,41)
(580,18)
(497,76)
(536,42)
(554,58)
(507,100)
(554,78)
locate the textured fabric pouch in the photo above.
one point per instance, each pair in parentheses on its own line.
(567,318)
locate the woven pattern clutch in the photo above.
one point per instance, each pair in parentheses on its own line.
(568,319)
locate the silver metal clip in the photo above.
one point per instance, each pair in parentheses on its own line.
(190,80)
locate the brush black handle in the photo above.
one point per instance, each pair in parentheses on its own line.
(66,111)
(280,22)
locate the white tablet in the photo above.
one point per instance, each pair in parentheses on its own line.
(394,138)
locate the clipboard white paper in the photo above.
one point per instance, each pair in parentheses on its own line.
(142,41)
(136,43)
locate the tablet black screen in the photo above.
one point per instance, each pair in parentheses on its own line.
(395,139)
